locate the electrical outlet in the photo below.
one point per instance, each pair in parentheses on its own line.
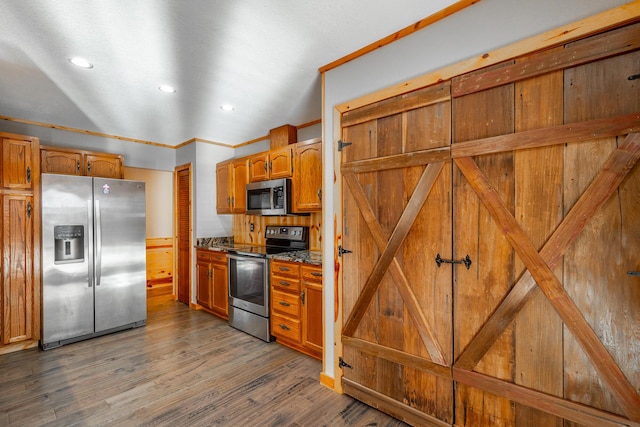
(251,227)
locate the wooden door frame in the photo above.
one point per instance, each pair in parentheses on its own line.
(177,169)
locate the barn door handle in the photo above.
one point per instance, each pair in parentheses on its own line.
(466,261)
(634,273)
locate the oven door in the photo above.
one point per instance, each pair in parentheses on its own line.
(249,283)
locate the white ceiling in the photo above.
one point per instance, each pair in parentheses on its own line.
(262,56)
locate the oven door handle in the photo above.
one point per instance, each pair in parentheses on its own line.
(247,257)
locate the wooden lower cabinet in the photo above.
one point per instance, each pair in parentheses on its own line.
(211,282)
(296,306)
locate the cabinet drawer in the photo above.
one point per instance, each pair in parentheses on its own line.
(285,284)
(285,303)
(203,255)
(284,327)
(281,268)
(311,274)
(219,257)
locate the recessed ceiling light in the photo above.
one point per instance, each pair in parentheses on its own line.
(80,62)
(227,107)
(166,89)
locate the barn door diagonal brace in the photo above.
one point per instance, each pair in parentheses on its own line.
(605,365)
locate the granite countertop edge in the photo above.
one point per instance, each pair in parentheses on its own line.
(227,243)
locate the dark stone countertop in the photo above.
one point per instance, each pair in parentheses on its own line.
(227,243)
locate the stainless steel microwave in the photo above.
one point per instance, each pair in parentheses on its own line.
(269,197)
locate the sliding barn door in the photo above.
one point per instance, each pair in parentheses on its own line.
(397,302)
(531,316)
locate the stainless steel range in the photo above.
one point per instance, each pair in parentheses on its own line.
(249,278)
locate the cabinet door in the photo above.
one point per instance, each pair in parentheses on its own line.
(312,309)
(223,196)
(17,164)
(220,295)
(63,162)
(239,178)
(307,178)
(280,163)
(17,268)
(259,167)
(104,166)
(203,280)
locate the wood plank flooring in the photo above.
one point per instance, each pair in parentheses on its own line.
(184,368)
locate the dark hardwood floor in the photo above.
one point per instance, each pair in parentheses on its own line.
(184,368)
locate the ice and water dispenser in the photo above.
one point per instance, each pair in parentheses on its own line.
(69,243)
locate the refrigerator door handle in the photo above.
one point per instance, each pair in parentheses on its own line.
(98,230)
(89,236)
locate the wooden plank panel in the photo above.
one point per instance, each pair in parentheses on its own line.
(431,287)
(390,307)
(582,414)
(358,266)
(601,46)
(398,161)
(478,291)
(420,98)
(602,291)
(538,209)
(584,131)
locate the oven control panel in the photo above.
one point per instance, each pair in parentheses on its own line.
(287,232)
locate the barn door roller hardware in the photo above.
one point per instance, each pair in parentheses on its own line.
(342,144)
(466,261)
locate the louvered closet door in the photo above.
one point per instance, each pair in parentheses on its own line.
(397,216)
(546,326)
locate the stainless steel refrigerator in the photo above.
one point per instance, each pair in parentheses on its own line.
(93,257)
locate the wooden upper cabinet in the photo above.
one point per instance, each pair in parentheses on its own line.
(259,167)
(80,162)
(64,162)
(282,136)
(18,155)
(281,163)
(223,191)
(307,179)
(271,164)
(239,179)
(104,165)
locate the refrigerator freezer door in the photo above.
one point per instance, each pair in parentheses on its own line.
(67,291)
(120,273)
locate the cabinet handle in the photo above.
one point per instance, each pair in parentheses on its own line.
(28,174)
(285,327)
(266,167)
(232,201)
(302,297)
(88,168)
(29,210)
(320,194)
(283,283)
(286,304)
(283,268)
(316,273)
(228,201)
(270,166)
(77,166)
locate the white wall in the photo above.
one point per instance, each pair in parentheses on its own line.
(478,29)
(158,197)
(135,154)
